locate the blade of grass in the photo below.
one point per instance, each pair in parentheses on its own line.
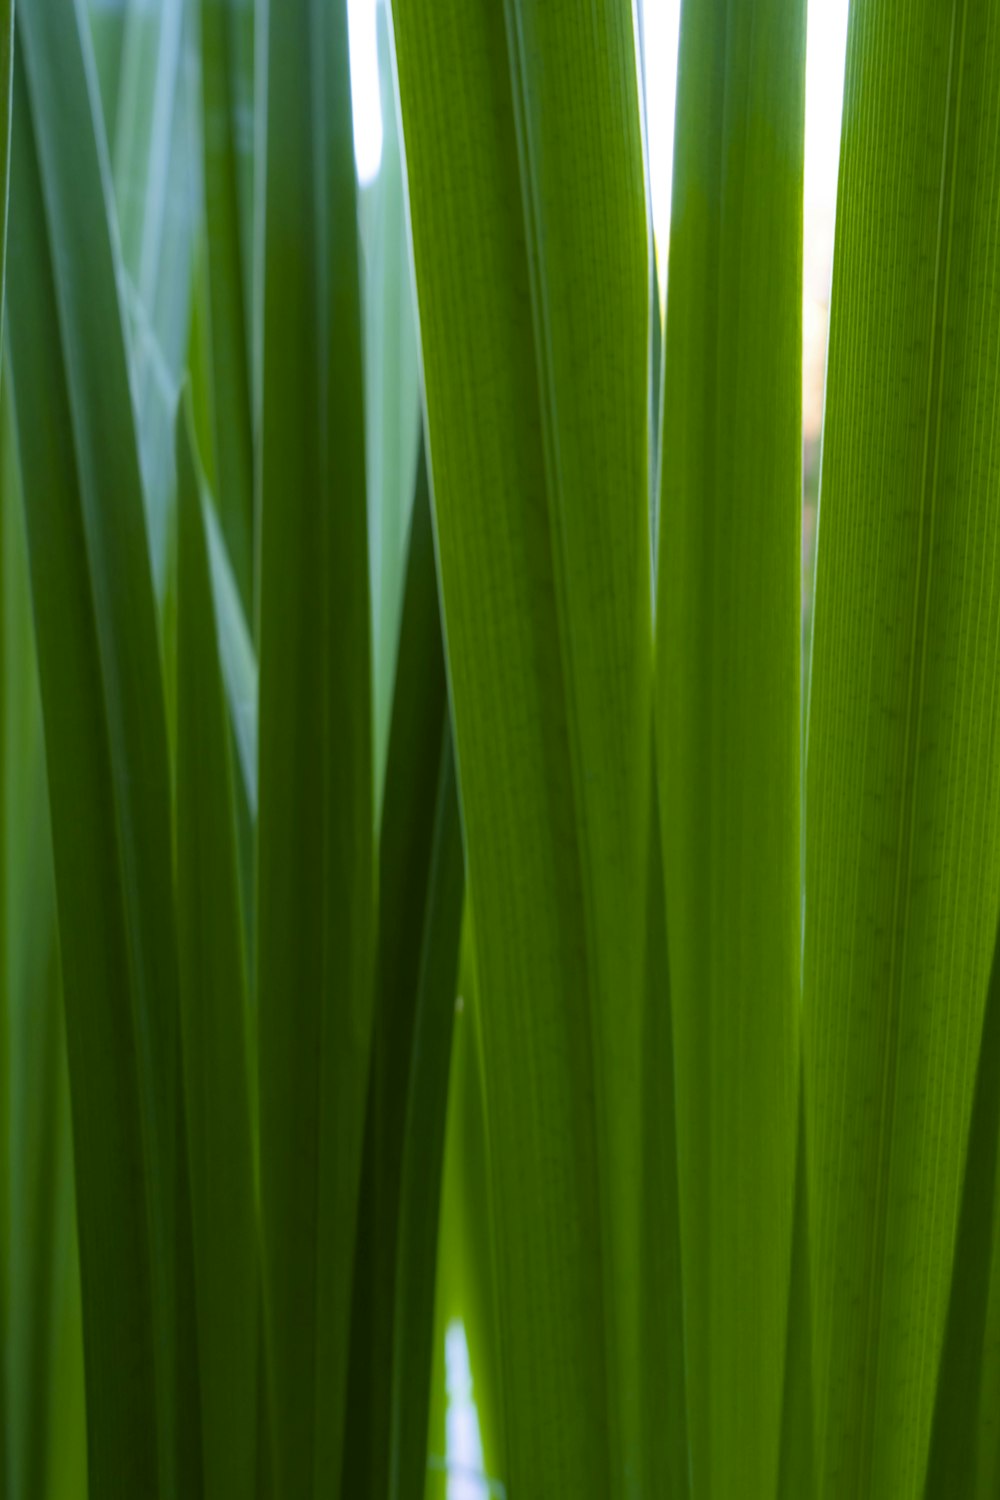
(406,850)
(109,789)
(954,1444)
(34,1106)
(537,434)
(229,387)
(988,1434)
(728,647)
(214,1018)
(6,75)
(156,176)
(392,406)
(237,659)
(41,1347)
(114,1243)
(424,1134)
(903,836)
(797,1463)
(464,1444)
(525,188)
(315,887)
(665,1444)
(107,30)
(6,81)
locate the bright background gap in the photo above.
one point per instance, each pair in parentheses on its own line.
(826,44)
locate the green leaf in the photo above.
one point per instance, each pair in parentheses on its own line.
(6,80)
(6,62)
(43,1368)
(236,657)
(728,693)
(109,789)
(797,1463)
(665,1443)
(952,1461)
(155,171)
(988,1415)
(903,836)
(315,885)
(423,1149)
(229,387)
(465,1442)
(419,916)
(214,1018)
(525,185)
(392,388)
(107,30)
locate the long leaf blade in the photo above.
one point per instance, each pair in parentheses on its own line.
(315,859)
(229,387)
(539,483)
(728,728)
(406,850)
(903,828)
(109,786)
(214,1019)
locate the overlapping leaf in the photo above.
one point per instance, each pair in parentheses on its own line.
(903,816)
(728,711)
(315,886)
(109,790)
(524,166)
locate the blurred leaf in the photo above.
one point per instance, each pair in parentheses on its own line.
(315,879)
(43,1369)
(156,177)
(109,789)
(903,846)
(392,396)
(423,1137)
(419,916)
(214,1019)
(228,329)
(952,1460)
(107,30)
(236,658)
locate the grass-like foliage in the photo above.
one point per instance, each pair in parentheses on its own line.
(467,1026)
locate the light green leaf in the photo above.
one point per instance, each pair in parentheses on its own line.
(903,827)
(728,695)
(663,1388)
(315,885)
(525,183)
